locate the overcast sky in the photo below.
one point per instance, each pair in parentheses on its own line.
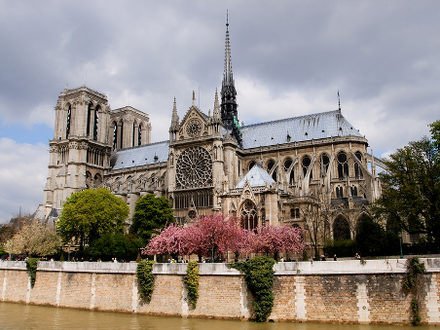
(289,58)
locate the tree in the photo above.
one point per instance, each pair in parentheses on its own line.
(411,188)
(151,214)
(214,236)
(168,241)
(34,239)
(117,245)
(209,235)
(91,213)
(371,238)
(275,239)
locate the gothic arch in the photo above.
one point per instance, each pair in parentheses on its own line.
(133,133)
(95,122)
(97,180)
(121,134)
(305,163)
(342,165)
(249,215)
(271,166)
(362,217)
(341,228)
(324,163)
(115,135)
(68,119)
(89,180)
(357,170)
(139,135)
(289,170)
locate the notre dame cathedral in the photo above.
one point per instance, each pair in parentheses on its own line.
(310,171)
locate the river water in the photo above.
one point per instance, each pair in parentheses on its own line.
(20,316)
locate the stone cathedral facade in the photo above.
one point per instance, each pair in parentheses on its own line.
(310,171)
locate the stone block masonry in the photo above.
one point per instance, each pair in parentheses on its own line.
(329,291)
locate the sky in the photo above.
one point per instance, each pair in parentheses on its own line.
(289,58)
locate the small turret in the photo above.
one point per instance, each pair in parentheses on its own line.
(216,115)
(174,127)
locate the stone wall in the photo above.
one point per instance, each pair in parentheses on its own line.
(330,291)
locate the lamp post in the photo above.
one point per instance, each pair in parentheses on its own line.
(400,243)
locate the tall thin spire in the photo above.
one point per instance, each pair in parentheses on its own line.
(174,118)
(216,113)
(229,111)
(227,75)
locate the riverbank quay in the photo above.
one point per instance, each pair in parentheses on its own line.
(348,291)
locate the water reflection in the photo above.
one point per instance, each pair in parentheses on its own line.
(18,316)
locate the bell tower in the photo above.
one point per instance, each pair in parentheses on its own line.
(80,149)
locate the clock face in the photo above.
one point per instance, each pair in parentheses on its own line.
(194,127)
(194,168)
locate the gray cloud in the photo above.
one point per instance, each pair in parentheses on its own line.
(289,58)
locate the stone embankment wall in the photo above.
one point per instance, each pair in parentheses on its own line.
(330,291)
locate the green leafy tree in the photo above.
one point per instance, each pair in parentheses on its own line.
(91,213)
(117,245)
(411,188)
(370,237)
(151,214)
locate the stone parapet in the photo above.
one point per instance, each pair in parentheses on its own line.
(343,267)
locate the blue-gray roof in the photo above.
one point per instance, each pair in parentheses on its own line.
(309,127)
(257,177)
(143,155)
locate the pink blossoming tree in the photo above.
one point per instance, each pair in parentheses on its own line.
(214,236)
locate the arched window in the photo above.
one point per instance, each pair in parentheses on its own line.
(115,136)
(339,192)
(357,170)
(139,135)
(251,164)
(341,229)
(95,123)
(249,216)
(69,118)
(89,115)
(325,161)
(270,167)
(133,135)
(342,165)
(287,165)
(122,135)
(354,191)
(89,183)
(305,165)
(98,180)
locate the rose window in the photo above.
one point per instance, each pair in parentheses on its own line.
(194,168)
(194,128)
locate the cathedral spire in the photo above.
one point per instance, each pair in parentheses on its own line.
(174,118)
(227,75)
(216,113)
(229,111)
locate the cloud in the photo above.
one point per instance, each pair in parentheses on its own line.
(23,172)
(289,58)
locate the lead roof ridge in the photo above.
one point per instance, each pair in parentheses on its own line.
(290,118)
